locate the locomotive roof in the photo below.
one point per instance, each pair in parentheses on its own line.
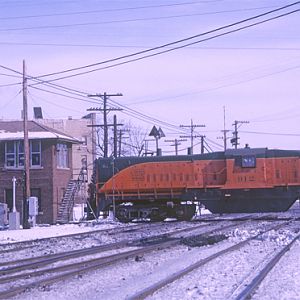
(261,152)
(108,166)
(258,152)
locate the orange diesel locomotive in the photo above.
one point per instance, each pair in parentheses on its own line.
(242,180)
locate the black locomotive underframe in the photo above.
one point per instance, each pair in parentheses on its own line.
(216,200)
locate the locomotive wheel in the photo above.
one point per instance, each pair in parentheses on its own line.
(157,215)
(123,215)
(185,212)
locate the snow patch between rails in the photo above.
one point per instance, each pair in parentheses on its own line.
(281,238)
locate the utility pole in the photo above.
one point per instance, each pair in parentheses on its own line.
(26,195)
(121,134)
(93,118)
(235,137)
(105,111)
(115,137)
(202,143)
(146,147)
(224,131)
(176,143)
(191,136)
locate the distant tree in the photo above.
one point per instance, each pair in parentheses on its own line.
(132,140)
(132,143)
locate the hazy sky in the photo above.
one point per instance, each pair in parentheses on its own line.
(254,73)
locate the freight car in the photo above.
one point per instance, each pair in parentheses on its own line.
(235,181)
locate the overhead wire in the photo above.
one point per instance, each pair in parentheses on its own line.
(168,50)
(198,41)
(52,103)
(10,84)
(183,40)
(129,112)
(40,27)
(144,47)
(84,98)
(9,101)
(219,87)
(106,10)
(270,133)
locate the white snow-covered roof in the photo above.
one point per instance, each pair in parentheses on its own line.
(13,130)
(34,135)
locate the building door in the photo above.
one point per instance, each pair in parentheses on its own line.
(9,198)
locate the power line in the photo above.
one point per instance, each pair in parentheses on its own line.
(144,47)
(11,99)
(10,84)
(105,10)
(169,50)
(9,75)
(181,41)
(40,27)
(129,112)
(221,86)
(271,133)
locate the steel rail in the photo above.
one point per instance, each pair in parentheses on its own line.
(15,249)
(113,230)
(38,261)
(160,284)
(96,263)
(250,289)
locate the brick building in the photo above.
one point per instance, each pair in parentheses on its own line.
(83,154)
(50,166)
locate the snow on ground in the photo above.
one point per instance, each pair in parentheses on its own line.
(214,281)
(45,231)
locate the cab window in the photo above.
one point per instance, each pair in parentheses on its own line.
(248,161)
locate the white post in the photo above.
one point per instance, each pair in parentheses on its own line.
(14,216)
(14,193)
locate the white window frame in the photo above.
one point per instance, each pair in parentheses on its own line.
(17,156)
(62,156)
(35,153)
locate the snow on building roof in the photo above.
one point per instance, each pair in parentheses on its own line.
(13,130)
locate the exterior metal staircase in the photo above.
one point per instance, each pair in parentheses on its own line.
(66,206)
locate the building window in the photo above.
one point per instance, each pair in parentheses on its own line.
(14,154)
(10,154)
(20,153)
(62,155)
(35,151)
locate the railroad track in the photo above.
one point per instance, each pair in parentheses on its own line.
(239,294)
(24,245)
(247,288)
(67,239)
(18,270)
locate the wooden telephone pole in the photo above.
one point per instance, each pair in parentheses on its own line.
(176,143)
(105,126)
(191,136)
(26,195)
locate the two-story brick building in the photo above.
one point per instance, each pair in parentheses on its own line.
(50,166)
